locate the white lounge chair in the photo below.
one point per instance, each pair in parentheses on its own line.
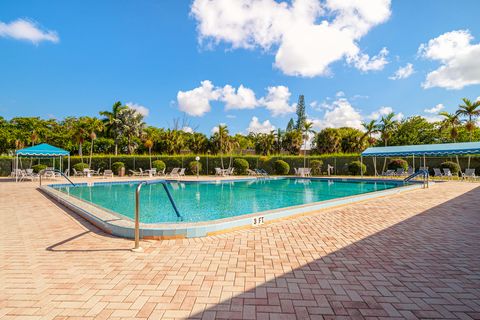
(389,173)
(136,173)
(174,172)
(181,173)
(469,174)
(410,171)
(250,172)
(77,173)
(161,172)
(447,173)
(437,172)
(107,173)
(399,172)
(218,172)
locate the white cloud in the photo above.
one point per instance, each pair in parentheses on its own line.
(27,30)
(340,94)
(144,111)
(403,72)
(196,102)
(383,111)
(305,35)
(342,114)
(432,118)
(256,126)
(231,116)
(277,101)
(187,129)
(242,98)
(439,107)
(460,65)
(364,63)
(215,129)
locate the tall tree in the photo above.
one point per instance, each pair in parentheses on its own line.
(130,125)
(307,129)
(290,125)
(370,129)
(450,122)
(301,116)
(470,110)
(111,122)
(386,126)
(93,125)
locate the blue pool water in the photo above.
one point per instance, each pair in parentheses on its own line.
(215,200)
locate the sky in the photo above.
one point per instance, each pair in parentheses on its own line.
(242,63)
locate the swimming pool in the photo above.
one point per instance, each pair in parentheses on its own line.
(204,201)
(209,206)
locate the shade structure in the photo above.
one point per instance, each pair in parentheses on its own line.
(42,150)
(443,149)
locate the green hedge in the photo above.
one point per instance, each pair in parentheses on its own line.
(339,161)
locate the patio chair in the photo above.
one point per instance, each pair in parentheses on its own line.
(307,172)
(399,172)
(469,174)
(161,172)
(77,173)
(437,172)
(182,172)
(218,172)
(250,172)
(136,173)
(295,171)
(229,171)
(107,173)
(410,171)
(174,172)
(389,173)
(261,172)
(447,173)
(95,172)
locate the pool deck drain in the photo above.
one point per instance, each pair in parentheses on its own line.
(414,255)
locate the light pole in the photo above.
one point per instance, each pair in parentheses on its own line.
(197,158)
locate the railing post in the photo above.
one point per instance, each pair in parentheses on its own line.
(137,247)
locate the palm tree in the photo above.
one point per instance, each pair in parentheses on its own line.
(223,140)
(279,141)
(130,125)
(450,122)
(386,126)
(370,129)
(111,122)
(470,110)
(307,128)
(93,125)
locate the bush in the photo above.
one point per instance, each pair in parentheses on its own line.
(117,166)
(80,166)
(159,165)
(39,167)
(395,164)
(194,166)
(356,168)
(316,166)
(453,166)
(241,166)
(281,167)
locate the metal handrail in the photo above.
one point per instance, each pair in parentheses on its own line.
(56,171)
(424,173)
(137,208)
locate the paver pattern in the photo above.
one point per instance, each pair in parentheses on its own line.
(413,255)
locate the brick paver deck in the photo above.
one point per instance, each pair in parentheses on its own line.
(415,255)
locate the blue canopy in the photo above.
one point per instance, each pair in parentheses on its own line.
(42,150)
(443,149)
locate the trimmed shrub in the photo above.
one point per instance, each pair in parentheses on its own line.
(241,166)
(194,166)
(39,167)
(80,166)
(395,164)
(453,166)
(356,168)
(281,167)
(117,166)
(316,166)
(159,165)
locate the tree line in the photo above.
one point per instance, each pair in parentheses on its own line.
(122,130)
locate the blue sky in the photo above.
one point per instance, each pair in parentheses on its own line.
(60,58)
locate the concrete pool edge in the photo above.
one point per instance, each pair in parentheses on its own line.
(118,225)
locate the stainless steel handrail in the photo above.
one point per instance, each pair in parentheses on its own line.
(56,171)
(137,208)
(424,174)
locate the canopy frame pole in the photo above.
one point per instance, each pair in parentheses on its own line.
(16,168)
(68,173)
(361,166)
(413,162)
(375,165)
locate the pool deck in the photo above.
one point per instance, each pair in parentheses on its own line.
(411,255)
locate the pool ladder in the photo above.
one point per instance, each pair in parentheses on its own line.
(423,173)
(137,208)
